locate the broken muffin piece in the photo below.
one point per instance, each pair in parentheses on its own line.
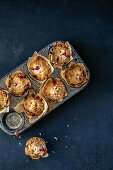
(39,67)
(18,84)
(4,99)
(54,90)
(36,148)
(75,74)
(60,54)
(34,105)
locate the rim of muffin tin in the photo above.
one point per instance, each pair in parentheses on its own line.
(76,58)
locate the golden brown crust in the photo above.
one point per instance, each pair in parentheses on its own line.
(18,84)
(39,67)
(60,54)
(36,148)
(34,105)
(53,90)
(75,74)
(4,99)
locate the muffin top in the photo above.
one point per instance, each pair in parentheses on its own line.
(54,90)
(4,99)
(39,67)
(36,148)
(60,54)
(18,83)
(75,75)
(34,105)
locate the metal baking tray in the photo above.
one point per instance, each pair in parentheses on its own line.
(71,91)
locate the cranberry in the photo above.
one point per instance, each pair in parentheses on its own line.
(57,59)
(65,55)
(54,83)
(15,84)
(26,85)
(36,68)
(39,99)
(36,105)
(20,76)
(43,149)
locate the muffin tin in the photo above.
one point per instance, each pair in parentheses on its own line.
(6,119)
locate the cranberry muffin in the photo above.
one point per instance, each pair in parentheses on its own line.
(75,74)
(39,67)
(4,99)
(34,105)
(36,148)
(54,90)
(60,54)
(18,84)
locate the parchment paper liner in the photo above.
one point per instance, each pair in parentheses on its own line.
(20,108)
(34,58)
(57,64)
(71,64)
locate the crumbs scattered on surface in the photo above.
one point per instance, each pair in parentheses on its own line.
(20,144)
(40,134)
(65,136)
(68,125)
(16,134)
(27,160)
(53,151)
(21,137)
(46,141)
(55,138)
(66,147)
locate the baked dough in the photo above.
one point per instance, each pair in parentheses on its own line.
(54,90)
(4,99)
(39,67)
(75,74)
(34,105)
(60,54)
(18,84)
(36,148)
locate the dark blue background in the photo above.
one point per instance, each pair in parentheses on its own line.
(26,26)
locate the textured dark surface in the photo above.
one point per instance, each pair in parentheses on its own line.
(88,26)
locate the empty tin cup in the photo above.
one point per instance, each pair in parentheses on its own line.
(12,121)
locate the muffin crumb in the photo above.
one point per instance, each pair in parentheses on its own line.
(55,138)
(20,144)
(68,125)
(16,134)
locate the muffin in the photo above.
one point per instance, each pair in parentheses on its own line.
(36,148)
(18,84)
(4,100)
(39,67)
(34,105)
(53,90)
(75,74)
(60,54)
